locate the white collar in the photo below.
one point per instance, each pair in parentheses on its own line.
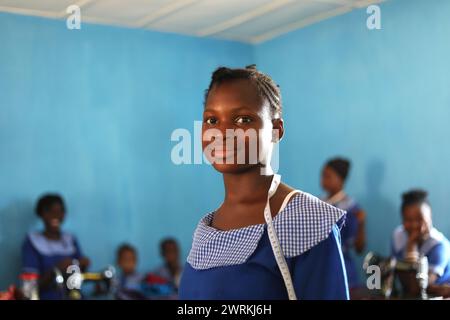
(302,224)
(63,246)
(338,197)
(400,238)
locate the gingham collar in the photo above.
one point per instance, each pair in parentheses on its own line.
(301,225)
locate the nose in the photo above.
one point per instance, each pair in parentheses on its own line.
(57,216)
(225,126)
(225,131)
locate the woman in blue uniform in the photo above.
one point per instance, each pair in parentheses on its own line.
(417,237)
(266,240)
(353,237)
(44,252)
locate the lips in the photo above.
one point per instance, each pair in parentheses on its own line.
(229,157)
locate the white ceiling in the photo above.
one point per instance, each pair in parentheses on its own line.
(251,21)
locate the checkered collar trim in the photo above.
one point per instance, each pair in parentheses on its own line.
(302,224)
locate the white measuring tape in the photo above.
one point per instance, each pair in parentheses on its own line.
(275,243)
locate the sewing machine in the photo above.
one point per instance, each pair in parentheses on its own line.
(71,283)
(399,278)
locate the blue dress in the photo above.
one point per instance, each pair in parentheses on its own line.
(40,255)
(239,264)
(348,234)
(436,248)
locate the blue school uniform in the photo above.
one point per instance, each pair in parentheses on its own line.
(164,272)
(40,254)
(436,248)
(129,287)
(348,234)
(240,263)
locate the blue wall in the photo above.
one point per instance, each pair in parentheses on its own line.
(89,113)
(380,97)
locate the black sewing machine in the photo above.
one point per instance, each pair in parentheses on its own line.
(398,278)
(73,280)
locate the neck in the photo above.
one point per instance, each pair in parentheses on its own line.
(173,267)
(246,187)
(334,197)
(334,193)
(51,234)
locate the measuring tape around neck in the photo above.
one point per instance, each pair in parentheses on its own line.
(275,243)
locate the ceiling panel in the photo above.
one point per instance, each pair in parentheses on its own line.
(40,5)
(243,20)
(127,11)
(297,11)
(204,14)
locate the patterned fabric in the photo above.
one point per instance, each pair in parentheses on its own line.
(350,230)
(301,225)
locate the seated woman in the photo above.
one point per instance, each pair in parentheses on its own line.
(334,175)
(417,237)
(42,252)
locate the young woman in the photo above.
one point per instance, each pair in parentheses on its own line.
(43,252)
(417,237)
(334,175)
(266,240)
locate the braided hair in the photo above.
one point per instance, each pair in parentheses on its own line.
(267,89)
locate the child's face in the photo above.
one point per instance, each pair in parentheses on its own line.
(53,217)
(237,105)
(331,182)
(171,253)
(127,261)
(417,220)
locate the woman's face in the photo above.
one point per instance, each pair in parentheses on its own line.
(235,110)
(331,182)
(53,217)
(417,220)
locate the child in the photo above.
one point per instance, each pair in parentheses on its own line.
(171,269)
(334,175)
(129,283)
(133,285)
(267,240)
(417,237)
(42,252)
